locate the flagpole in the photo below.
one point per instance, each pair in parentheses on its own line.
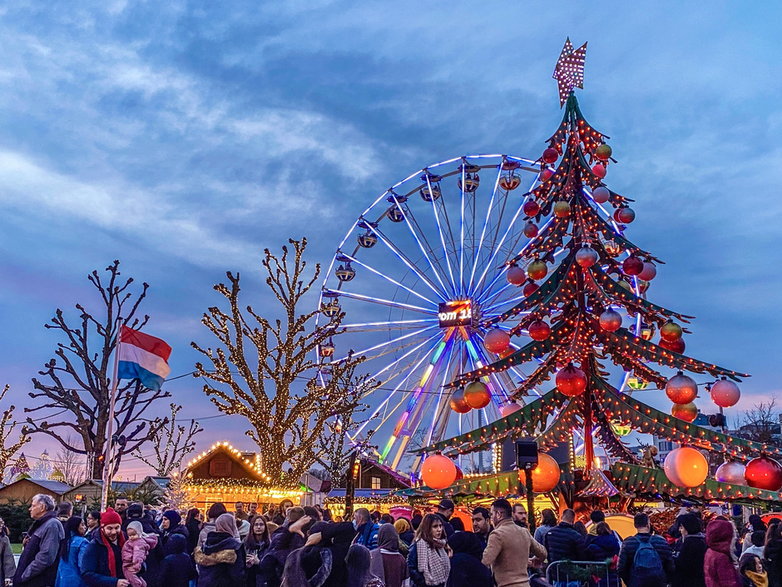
(107,464)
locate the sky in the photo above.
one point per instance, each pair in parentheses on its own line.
(185,137)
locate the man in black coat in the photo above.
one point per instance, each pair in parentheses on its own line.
(563,541)
(689,562)
(101,559)
(444,511)
(39,560)
(136,513)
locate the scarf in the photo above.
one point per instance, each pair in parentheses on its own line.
(108,545)
(433,563)
(758,579)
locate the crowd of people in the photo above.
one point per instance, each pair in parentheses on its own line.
(131,545)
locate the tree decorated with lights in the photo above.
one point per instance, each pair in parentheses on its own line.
(10,442)
(583,284)
(263,367)
(170,444)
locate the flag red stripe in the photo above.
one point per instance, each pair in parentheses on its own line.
(144,341)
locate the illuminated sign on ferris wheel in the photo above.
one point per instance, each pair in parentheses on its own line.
(456,313)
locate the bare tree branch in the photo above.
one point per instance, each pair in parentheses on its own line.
(77,379)
(761,423)
(9,442)
(171,444)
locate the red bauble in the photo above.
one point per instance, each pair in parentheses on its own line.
(550,155)
(530,230)
(459,474)
(438,472)
(546,174)
(496,340)
(677,346)
(457,402)
(624,215)
(764,473)
(649,272)
(725,393)
(670,331)
(537,270)
(529,289)
(561,209)
(599,170)
(601,194)
(610,320)
(687,412)
(539,330)
(477,395)
(571,381)
(681,389)
(516,275)
(530,208)
(632,265)
(586,256)
(603,152)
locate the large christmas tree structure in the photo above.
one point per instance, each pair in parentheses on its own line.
(584,304)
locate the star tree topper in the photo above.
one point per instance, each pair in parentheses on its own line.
(569,71)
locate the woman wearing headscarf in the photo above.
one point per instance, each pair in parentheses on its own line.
(221,561)
(719,565)
(358,562)
(387,562)
(467,570)
(405,531)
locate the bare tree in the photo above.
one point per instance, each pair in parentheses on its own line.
(78,379)
(170,444)
(761,423)
(71,465)
(266,369)
(10,443)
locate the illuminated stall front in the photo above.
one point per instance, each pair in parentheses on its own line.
(226,474)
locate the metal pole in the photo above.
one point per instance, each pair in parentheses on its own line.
(107,464)
(530,501)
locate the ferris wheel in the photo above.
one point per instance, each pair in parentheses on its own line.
(416,275)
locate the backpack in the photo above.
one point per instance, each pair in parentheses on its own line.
(647,565)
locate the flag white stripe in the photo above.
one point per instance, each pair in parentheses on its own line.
(149,361)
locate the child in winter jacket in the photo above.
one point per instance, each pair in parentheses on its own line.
(135,551)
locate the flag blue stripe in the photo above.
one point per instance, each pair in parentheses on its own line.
(128,370)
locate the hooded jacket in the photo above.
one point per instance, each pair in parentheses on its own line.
(467,570)
(718,565)
(689,562)
(177,568)
(221,561)
(134,552)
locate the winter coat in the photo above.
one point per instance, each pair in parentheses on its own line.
(134,553)
(273,561)
(603,548)
(773,557)
(393,562)
(689,562)
(221,561)
(508,551)
(366,535)
(178,529)
(7,562)
(417,578)
(337,538)
(177,567)
(94,563)
(467,570)
(152,564)
(718,566)
(193,532)
(540,533)
(630,547)
(205,530)
(38,562)
(564,542)
(68,572)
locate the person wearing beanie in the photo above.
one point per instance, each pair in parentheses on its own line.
(177,568)
(101,561)
(172,524)
(135,551)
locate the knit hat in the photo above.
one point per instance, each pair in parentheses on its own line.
(138,528)
(110,517)
(135,510)
(173,517)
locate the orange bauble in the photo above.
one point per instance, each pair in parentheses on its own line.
(686,467)
(438,472)
(457,402)
(545,476)
(477,395)
(687,412)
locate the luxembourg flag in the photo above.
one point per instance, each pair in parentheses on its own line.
(143,357)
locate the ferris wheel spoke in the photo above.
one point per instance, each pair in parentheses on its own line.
(496,249)
(488,310)
(389,279)
(442,405)
(381,301)
(485,226)
(392,341)
(380,326)
(410,265)
(461,232)
(440,233)
(393,364)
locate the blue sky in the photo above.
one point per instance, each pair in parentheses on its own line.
(183,138)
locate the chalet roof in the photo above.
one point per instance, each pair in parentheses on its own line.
(386,469)
(56,487)
(241,458)
(115,485)
(161,482)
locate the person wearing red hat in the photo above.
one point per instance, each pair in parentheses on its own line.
(101,561)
